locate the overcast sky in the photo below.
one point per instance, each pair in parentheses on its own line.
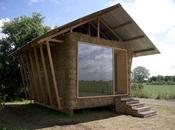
(155,17)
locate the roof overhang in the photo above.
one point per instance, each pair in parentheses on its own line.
(118,23)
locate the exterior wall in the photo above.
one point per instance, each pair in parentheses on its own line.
(65,63)
(69,82)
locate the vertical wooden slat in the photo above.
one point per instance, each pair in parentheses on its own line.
(25,74)
(22,75)
(98,27)
(41,85)
(35,88)
(129,71)
(46,75)
(89,29)
(53,76)
(29,76)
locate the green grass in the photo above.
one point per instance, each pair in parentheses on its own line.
(103,87)
(156,92)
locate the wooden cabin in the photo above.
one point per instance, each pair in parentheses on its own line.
(85,63)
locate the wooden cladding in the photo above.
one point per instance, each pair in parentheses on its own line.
(121,71)
(36,67)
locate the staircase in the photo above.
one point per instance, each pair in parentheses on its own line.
(129,105)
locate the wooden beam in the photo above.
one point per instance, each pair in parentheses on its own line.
(100,31)
(56,40)
(66,30)
(122,25)
(133,38)
(22,75)
(41,85)
(35,88)
(25,74)
(98,27)
(29,75)
(46,75)
(89,29)
(53,76)
(112,31)
(144,50)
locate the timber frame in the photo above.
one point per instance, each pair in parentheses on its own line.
(49,63)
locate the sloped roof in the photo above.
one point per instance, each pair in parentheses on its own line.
(121,25)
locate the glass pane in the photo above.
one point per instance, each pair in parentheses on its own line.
(95,70)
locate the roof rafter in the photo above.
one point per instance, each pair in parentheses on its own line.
(112,31)
(122,25)
(134,38)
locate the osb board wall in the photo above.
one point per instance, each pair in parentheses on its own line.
(71,41)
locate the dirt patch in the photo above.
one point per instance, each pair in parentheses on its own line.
(29,116)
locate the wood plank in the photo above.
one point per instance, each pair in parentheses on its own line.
(134,38)
(122,25)
(53,76)
(46,75)
(41,85)
(100,31)
(98,27)
(144,50)
(29,76)
(22,75)
(25,74)
(35,87)
(56,40)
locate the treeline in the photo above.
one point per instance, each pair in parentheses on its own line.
(160,80)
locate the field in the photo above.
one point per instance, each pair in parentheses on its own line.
(156,92)
(26,116)
(89,88)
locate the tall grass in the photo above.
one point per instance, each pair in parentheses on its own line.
(156,92)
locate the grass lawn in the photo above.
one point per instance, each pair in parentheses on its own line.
(156,92)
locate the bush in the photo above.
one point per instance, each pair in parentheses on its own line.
(137,89)
(1,102)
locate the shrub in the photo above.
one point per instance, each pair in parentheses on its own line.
(1,102)
(137,89)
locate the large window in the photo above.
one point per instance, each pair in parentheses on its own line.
(95,67)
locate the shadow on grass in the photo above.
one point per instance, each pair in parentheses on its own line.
(32,116)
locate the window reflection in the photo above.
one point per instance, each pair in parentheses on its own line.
(95,70)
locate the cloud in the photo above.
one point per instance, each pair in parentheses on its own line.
(2,21)
(95,62)
(170,37)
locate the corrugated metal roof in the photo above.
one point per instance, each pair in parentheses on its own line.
(121,24)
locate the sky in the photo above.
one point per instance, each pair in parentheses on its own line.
(155,17)
(95,62)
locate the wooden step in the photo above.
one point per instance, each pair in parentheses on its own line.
(137,105)
(141,109)
(132,102)
(127,99)
(147,113)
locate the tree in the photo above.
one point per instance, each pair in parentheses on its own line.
(140,73)
(19,31)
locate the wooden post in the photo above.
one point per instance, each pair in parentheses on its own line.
(35,88)
(25,74)
(41,85)
(29,76)
(46,74)
(22,75)
(89,29)
(129,71)
(98,27)
(53,76)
